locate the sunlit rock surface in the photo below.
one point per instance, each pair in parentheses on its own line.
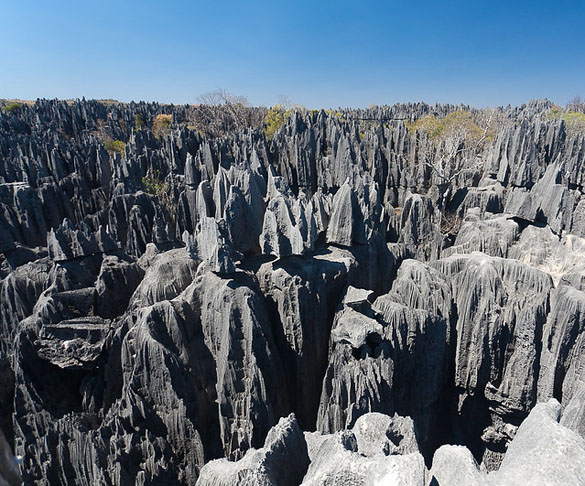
(321,307)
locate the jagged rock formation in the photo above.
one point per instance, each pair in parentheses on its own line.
(165,308)
(282,461)
(543,452)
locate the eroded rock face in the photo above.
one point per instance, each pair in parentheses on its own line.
(302,294)
(543,452)
(173,304)
(164,277)
(282,461)
(390,353)
(249,379)
(335,460)
(498,301)
(377,434)
(455,465)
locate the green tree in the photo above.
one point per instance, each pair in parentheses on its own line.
(274,119)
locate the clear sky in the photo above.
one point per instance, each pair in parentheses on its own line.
(316,53)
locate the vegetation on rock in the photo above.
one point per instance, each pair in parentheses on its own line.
(115,146)
(161,124)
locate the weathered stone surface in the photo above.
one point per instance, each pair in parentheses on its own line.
(492,236)
(418,227)
(116,283)
(166,276)
(377,434)
(541,248)
(360,365)
(355,214)
(67,243)
(303,293)
(543,452)
(74,343)
(335,461)
(455,466)
(548,201)
(212,245)
(249,380)
(282,461)
(573,416)
(329,272)
(495,298)
(563,338)
(487,198)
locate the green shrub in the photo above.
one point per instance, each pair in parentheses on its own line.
(336,114)
(555,112)
(114,146)
(438,128)
(429,124)
(574,120)
(274,119)
(163,191)
(13,108)
(154,184)
(161,124)
(574,117)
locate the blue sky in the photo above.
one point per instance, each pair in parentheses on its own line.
(319,54)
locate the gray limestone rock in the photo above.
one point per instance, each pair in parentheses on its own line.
(563,336)
(286,230)
(557,256)
(328,272)
(355,213)
(377,434)
(360,366)
(67,243)
(335,461)
(388,357)
(166,276)
(212,244)
(487,197)
(548,200)
(419,226)
(116,283)
(493,236)
(72,344)
(282,461)
(573,416)
(304,293)
(543,452)
(496,297)
(249,380)
(455,466)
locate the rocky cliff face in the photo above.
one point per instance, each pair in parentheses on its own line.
(182,309)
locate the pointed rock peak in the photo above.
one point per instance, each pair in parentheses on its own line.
(341,224)
(212,245)
(192,172)
(255,163)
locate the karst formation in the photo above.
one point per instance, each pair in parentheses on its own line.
(392,295)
